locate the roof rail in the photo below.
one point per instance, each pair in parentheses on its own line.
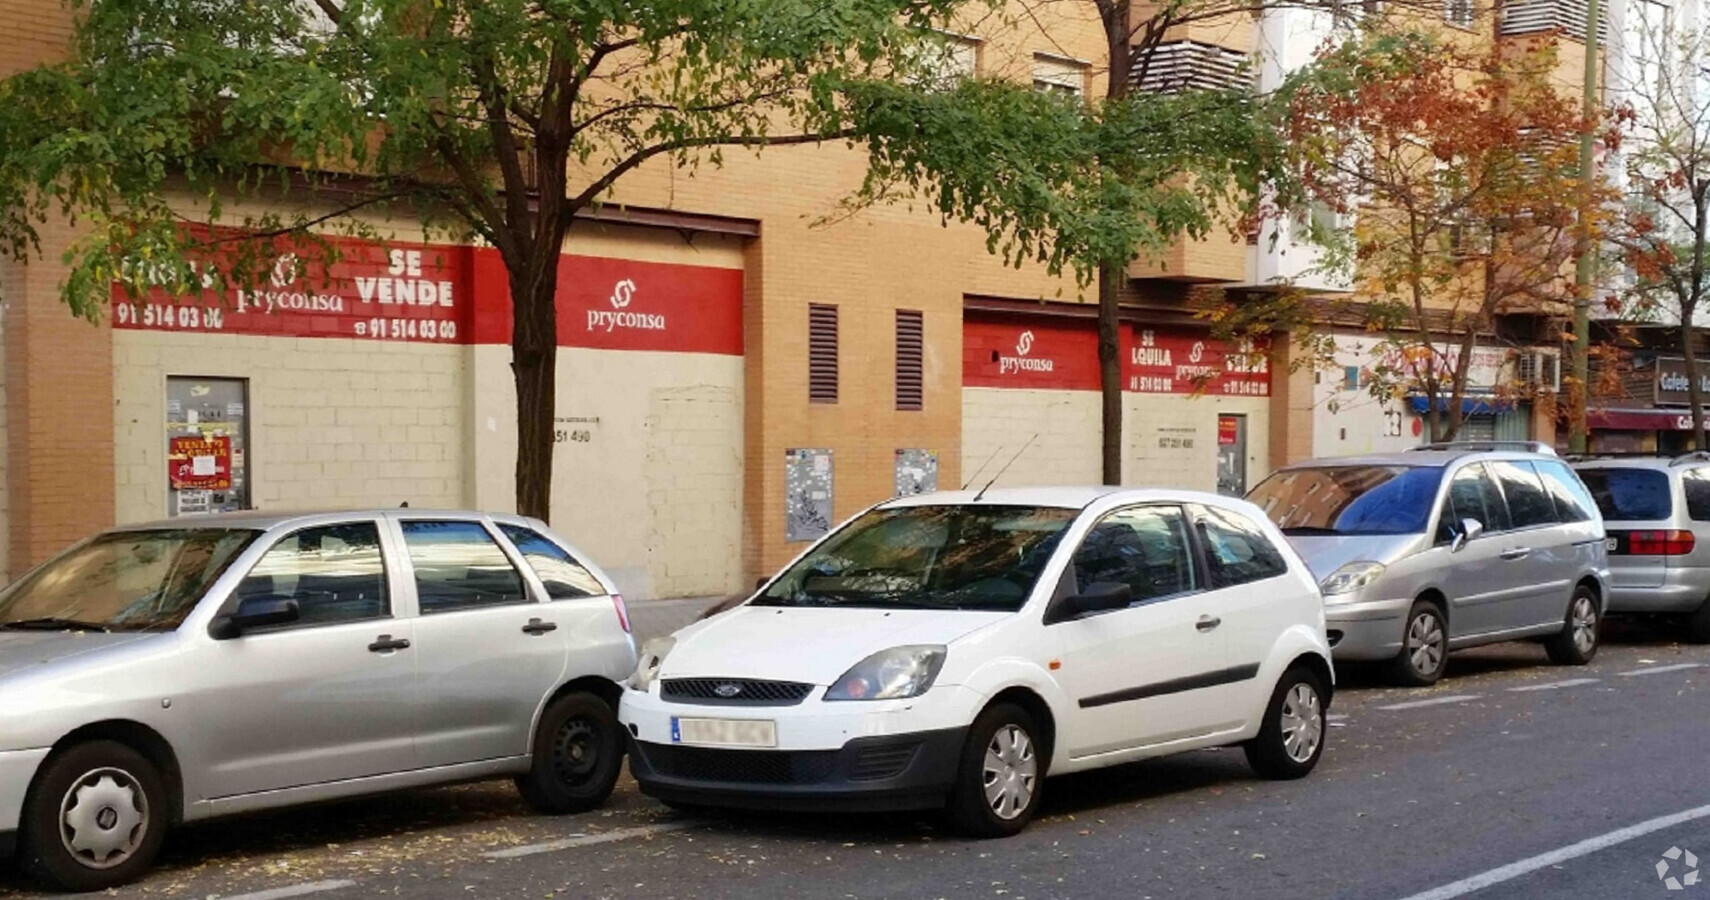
(1694,456)
(1523,446)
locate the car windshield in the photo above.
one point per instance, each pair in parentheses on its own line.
(124,580)
(927,557)
(1350,500)
(1629,495)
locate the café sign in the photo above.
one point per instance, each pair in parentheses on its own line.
(1672,384)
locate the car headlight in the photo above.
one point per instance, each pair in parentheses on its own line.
(1350,578)
(652,656)
(893,674)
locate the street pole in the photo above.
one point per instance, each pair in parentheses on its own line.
(1580,396)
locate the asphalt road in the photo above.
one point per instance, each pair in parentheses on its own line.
(1536,782)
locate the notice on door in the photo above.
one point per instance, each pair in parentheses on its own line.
(200,463)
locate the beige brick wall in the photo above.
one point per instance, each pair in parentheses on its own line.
(333,423)
(997,422)
(1149,417)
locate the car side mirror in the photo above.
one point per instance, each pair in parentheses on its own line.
(1100,596)
(1470,528)
(257,612)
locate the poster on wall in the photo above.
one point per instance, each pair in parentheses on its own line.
(916,472)
(200,463)
(807,494)
(1165,361)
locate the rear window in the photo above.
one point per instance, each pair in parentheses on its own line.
(1629,495)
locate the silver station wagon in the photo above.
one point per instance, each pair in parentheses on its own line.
(1445,547)
(1657,510)
(212,665)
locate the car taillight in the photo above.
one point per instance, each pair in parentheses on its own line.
(1660,543)
(622,611)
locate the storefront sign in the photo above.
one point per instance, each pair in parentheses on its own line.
(1228,431)
(1638,420)
(1030,353)
(200,463)
(387,292)
(1673,386)
(1187,362)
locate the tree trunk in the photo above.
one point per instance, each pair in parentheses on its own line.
(1110,368)
(1458,385)
(534,366)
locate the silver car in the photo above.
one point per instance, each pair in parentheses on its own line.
(211,665)
(1446,547)
(1657,510)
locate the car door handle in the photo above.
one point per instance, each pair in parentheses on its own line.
(1517,553)
(536,626)
(387,643)
(1206,623)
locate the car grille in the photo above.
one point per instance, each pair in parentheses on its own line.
(742,766)
(734,691)
(879,763)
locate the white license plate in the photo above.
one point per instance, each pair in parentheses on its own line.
(1611,544)
(724,732)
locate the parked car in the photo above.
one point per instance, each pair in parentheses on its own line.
(951,650)
(1657,512)
(212,665)
(1445,547)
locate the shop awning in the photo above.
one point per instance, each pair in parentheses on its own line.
(1470,406)
(1639,419)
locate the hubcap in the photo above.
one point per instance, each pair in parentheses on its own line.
(576,753)
(1302,723)
(1425,643)
(1010,772)
(1584,624)
(103,818)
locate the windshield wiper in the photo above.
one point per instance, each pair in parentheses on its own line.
(51,623)
(1309,529)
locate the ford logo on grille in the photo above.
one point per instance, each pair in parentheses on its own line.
(727,691)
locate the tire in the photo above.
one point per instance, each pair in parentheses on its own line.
(1004,739)
(1424,646)
(578,753)
(1698,625)
(94,818)
(1577,642)
(1291,739)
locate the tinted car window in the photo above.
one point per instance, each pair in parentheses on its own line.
(1350,499)
(1573,503)
(459,566)
(563,576)
(1472,495)
(335,574)
(1236,550)
(1529,505)
(1697,484)
(1629,495)
(1145,548)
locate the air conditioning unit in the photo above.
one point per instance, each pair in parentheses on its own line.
(1540,370)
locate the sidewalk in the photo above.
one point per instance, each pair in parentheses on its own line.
(657,618)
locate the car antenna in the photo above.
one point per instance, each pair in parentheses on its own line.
(982,467)
(1006,466)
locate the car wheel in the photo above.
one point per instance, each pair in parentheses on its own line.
(1001,775)
(578,753)
(94,818)
(1698,625)
(1424,646)
(1576,644)
(1291,739)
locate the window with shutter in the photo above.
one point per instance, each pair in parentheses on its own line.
(910,341)
(822,353)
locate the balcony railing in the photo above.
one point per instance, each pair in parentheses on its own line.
(1567,16)
(1190,65)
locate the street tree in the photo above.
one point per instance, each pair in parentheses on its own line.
(501,120)
(1459,170)
(1666,164)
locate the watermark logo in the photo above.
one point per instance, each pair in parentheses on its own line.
(1678,869)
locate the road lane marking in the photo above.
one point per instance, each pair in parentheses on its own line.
(584,840)
(1555,857)
(1434,701)
(1571,682)
(1652,670)
(295,890)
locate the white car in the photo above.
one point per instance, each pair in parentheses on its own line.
(951,650)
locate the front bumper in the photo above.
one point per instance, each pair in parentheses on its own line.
(17,770)
(910,771)
(1365,631)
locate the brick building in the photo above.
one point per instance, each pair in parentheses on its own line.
(733,377)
